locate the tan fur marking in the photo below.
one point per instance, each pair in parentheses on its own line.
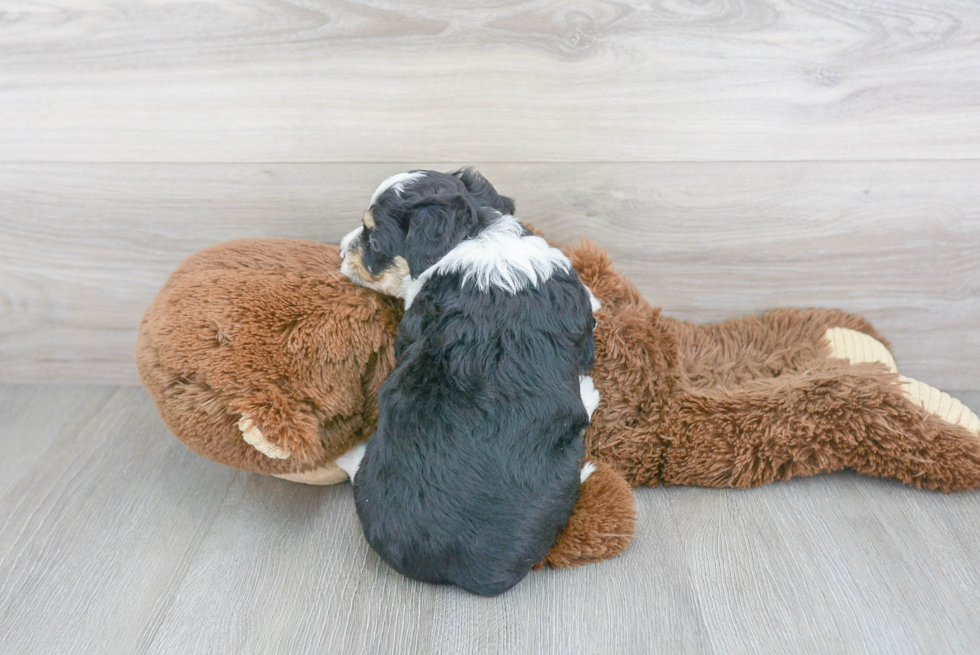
(368,220)
(388,283)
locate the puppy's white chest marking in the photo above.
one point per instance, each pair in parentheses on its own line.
(590,395)
(499,256)
(350,461)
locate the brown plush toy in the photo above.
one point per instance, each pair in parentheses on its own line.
(260,355)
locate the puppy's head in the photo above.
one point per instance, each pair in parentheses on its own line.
(413,220)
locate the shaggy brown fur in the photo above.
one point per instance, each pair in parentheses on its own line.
(269,328)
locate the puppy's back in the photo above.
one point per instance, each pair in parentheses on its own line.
(475,465)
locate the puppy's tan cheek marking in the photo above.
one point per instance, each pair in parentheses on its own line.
(390,282)
(368,220)
(355,264)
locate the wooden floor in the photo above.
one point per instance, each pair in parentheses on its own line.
(116,539)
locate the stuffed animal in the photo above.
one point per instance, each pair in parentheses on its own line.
(260,355)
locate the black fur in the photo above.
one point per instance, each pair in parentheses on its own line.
(429,218)
(474,467)
(482,192)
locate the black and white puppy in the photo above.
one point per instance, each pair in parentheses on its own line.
(475,465)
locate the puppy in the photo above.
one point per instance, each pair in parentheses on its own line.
(474,467)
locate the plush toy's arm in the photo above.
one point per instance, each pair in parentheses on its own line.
(602,522)
(275,425)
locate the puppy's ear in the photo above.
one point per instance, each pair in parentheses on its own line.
(435,226)
(483,193)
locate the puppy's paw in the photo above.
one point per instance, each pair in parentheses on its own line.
(254,437)
(587,470)
(590,395)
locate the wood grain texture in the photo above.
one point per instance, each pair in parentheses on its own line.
(85,247)
(118,539)
(394,81)
(101,525)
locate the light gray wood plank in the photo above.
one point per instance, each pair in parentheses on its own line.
(303,580)
(26,441)
(85,247)
(123,541)
(299,578)
(640,602)
(100,530)
(948,525)
(826,564)
(392,80)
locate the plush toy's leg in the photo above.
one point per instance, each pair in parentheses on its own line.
(834,417)
(602,522)
(778,343)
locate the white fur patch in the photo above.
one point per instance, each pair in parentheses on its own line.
(587,470)
(590,395)
(351,460)
(349,239)
(396,182)
(499,256)
(595,302)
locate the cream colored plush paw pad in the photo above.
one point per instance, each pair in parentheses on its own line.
(326,474)
(941,404)
(859,348)
(254,438)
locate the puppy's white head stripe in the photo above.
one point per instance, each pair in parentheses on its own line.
(398,182)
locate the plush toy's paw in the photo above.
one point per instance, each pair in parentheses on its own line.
(940,404)
(590,395)
(327,474)
(254,437)
(858,348)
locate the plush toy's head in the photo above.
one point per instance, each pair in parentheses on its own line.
(414,219)
(261,355)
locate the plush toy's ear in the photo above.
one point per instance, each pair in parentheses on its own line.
(482,192)
(435,226)
(602,522)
